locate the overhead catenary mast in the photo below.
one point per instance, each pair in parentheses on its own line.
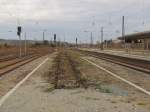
(43,37)
(91,39)
(123,31)
(25,44)
(102,38)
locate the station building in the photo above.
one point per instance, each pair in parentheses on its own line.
(139,40)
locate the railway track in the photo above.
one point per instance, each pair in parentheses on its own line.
(10,67)
(136,64)
(7,58)
(11,62)
(65,73)
(77,74)
(14,61)
(12,57)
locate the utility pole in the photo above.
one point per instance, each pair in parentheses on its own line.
(43,36)
(64,38)
(123,32)
(91,39)
(102,38)
(25,44)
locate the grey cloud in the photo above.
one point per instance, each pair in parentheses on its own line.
(74,16)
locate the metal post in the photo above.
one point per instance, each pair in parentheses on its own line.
(123,32)
(76,42)
(20,50)
(19,29)
(101,38)
(91,39)
(25,44)
(43,36)
(55,40)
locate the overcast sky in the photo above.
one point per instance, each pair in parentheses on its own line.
(70,18)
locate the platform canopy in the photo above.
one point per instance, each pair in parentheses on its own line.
(136,36)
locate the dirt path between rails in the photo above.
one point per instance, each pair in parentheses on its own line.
(35,96)
(65,74)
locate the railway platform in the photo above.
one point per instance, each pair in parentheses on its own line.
(136,55)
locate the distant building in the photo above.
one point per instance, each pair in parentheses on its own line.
(138,40)
(113,43)
(116,41)
(16,42)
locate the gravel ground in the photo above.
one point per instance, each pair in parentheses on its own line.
(139,78)
(10,79)
(36,95)
(119,87)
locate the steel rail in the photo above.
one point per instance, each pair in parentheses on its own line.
(136,64)
(14,66)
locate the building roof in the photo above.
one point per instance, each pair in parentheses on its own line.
(135,36)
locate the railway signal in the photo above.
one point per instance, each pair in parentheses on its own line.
(55,39)
(19,30)
(76,42)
